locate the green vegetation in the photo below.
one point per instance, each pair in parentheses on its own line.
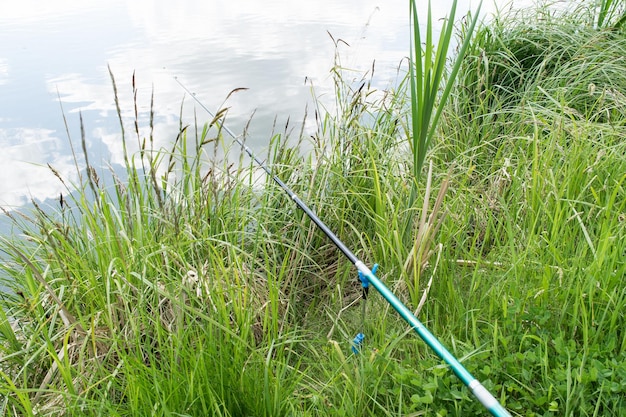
(192,288)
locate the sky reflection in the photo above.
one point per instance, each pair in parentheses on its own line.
(61,48)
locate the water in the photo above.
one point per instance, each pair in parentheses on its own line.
(61,48)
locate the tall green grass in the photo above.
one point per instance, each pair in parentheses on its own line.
(155,295)
(538,120)
(185,286)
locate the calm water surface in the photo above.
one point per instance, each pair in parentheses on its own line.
(61,48)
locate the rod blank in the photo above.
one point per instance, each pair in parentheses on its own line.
(479,391)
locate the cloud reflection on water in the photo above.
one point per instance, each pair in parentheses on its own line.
(27,160)
(214,47)
(4,72)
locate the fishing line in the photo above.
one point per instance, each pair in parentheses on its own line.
(368,277)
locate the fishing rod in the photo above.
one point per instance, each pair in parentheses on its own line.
(368,277)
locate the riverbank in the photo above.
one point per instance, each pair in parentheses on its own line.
(194,288)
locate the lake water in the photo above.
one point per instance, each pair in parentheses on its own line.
(61,48)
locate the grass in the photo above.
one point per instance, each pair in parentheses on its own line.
(191,288)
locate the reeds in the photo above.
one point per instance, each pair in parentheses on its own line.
(182,287)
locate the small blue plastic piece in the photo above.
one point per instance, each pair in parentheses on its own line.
(357,342)
(365,283)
